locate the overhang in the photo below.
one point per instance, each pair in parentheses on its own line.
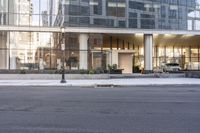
(96,30)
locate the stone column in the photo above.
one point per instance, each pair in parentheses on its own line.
(188,57)
(148,53)
(3,51)
(83,54)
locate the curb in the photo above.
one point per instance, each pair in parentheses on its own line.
(98,85)
(104,83)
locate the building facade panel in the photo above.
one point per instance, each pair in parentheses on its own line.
(139,14)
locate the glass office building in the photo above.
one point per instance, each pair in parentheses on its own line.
(129,33)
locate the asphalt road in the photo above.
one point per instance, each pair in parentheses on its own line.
(161,109)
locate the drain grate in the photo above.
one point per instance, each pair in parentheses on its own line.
(104,86)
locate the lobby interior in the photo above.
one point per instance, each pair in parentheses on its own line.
(97,51)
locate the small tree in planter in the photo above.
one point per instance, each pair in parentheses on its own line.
(22,71)
(136,69)
(91,71)
(113,69)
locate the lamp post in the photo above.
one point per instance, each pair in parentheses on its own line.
(63,56)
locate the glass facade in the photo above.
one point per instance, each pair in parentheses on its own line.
(181,49)
(42,50)
(140,14)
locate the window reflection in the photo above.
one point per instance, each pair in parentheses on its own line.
(182,14)
(42,50)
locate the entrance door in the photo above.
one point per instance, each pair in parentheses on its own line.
(126,62)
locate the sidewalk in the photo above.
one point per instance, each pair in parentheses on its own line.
(111,82)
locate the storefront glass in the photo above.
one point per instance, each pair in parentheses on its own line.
(42,51)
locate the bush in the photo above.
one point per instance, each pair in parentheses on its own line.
(82,71)
(92,71)
(99,71)
(136,69)
(112,67)
(59,71)
(51,72)
(22,71)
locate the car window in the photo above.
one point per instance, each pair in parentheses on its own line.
(176,64)
(172,64)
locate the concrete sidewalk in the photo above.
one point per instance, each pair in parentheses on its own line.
(104,82)
(87,76)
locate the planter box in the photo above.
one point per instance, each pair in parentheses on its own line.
(192,74)
(51,76)
(116,71)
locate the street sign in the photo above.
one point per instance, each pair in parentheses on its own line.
(63,46)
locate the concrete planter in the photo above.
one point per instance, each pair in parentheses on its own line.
(116,71)
(192,74)
(51,76)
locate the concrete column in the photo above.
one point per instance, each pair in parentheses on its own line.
(83,47)
(188,57)
(148,53)
(13,61)
(3,51)
(188,54)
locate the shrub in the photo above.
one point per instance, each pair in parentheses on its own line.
(22,71)
(82,71)
(99,71)
(92,71)
(112,67)
(136,69)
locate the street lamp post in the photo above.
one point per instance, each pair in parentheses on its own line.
(63,56)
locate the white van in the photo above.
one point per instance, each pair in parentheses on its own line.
(171,67)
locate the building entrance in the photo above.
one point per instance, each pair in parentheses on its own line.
(126,62)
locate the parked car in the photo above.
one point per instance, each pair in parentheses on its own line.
(171,67)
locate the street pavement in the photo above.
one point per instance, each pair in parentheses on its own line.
(154,109)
